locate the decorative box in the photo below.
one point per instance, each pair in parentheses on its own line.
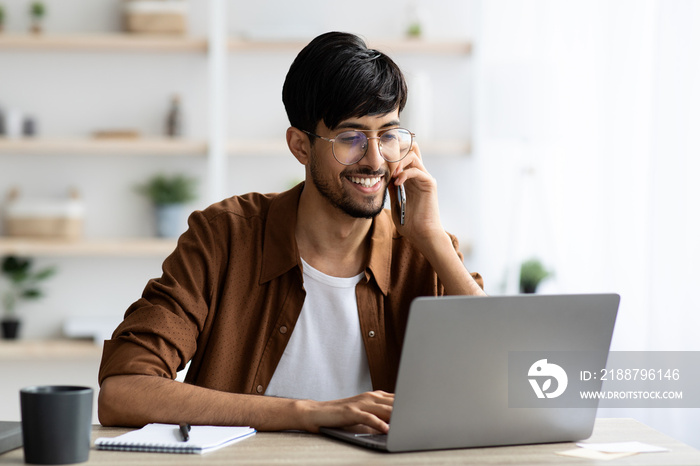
(44,217)
(155,16)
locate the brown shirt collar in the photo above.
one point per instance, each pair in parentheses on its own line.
(280,252)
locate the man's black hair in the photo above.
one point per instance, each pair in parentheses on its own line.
(336,77)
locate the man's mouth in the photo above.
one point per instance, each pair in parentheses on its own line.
(366,182)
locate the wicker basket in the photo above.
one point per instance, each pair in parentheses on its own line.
(155,16)
(44,218)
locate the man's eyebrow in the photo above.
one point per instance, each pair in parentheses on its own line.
(355,125)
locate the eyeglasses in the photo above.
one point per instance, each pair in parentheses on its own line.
(349,147)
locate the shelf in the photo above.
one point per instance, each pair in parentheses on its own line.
(137,247)
(243,148)
(142,146)
(174,147)
(164,43)
(422,46)
(102,42)
(442,148)
(48,349)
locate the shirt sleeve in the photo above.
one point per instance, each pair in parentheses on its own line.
(159,333)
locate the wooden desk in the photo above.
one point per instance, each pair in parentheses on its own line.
(309,449)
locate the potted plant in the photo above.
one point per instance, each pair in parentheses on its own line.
(168,195)
(23,284)
(415,28)
(532,273)
(37,11)
(2,18)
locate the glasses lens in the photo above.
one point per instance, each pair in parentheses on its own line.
(395,144)
(349,147)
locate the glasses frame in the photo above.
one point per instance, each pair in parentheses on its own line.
(379,146)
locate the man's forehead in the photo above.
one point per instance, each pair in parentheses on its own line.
(371,121)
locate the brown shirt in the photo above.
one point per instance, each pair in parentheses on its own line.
(232,290)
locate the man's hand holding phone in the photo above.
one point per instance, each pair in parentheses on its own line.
(414,185)
(422,225)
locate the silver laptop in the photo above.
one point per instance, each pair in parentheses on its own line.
(488,371)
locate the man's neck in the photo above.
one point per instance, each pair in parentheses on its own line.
(328,239)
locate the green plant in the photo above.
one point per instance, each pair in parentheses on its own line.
(2,15)
(23,282)
(37,10)
(414,30)
(532,273)
(176,189)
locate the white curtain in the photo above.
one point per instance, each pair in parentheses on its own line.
(587,147)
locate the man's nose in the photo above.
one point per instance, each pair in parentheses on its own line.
(373,158)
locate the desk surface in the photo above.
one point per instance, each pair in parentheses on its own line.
(309,449)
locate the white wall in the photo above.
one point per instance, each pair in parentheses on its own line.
(600,99)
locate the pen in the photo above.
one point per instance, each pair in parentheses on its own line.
(185,431)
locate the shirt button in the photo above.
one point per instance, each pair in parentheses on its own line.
(371,333)
(259,388)
(283,329)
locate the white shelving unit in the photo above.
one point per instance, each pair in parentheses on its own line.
(81,76)
(215,149)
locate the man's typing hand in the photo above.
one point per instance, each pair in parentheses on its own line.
(370,409)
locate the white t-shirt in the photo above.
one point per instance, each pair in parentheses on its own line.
(325,357)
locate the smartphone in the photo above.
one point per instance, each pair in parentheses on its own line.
(401,195)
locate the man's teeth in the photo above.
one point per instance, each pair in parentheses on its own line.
(366,182)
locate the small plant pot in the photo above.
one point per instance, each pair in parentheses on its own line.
(170,222)
(10,329)
(528,289)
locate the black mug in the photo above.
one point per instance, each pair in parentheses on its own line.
(56,424)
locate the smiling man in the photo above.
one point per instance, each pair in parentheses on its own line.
(292,307)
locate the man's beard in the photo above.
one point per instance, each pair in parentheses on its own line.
(341,199)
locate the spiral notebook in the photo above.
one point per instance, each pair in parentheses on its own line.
(166,438)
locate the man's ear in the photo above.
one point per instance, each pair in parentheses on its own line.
(299,145)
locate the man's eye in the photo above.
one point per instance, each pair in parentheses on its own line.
(350,139)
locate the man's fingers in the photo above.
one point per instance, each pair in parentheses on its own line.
(380,396)
(373,422)
(375,410)
(413,159)
(371,409)
(376,404)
